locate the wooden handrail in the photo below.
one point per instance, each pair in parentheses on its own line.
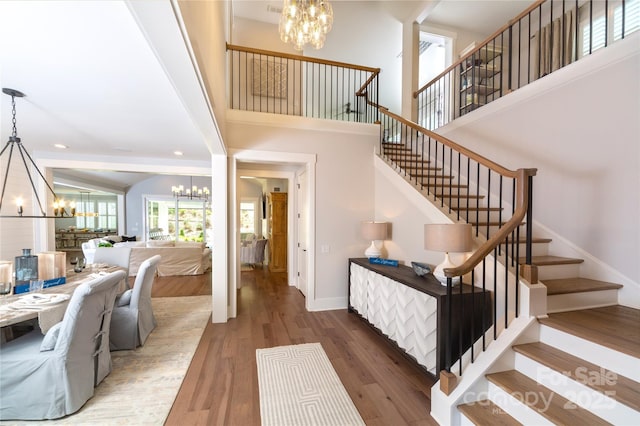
(522,196)
(536,4)
(301,58)
(451,144)
(363,89)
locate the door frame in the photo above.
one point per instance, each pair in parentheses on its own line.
(294,161)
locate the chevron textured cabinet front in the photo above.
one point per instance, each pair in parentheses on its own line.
(410,310)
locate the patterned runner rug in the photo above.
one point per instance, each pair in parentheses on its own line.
(143,383)
(298,386)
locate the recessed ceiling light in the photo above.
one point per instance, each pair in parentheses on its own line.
(60,146)
(178,153)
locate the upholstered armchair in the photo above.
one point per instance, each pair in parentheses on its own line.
(133,320)
(51,376)
(252,251)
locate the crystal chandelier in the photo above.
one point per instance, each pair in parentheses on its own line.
(305,21)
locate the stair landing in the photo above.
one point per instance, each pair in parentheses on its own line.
(616,327)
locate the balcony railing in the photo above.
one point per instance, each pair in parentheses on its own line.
(280,83)
(545,37)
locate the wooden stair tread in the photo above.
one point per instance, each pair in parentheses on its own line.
(534,240)
(551,260)
(486,412)
(618,387)
(616,327)
(444,185)
(490,223)
(577,285)
(478,209)
(454,195)
(516,383)
(432,176)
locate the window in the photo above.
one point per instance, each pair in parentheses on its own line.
(96,214)
(180,220)
(601,32)
(248,217)
(108,215)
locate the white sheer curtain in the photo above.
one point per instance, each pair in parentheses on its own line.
(552,48)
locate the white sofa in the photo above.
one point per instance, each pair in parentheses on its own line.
(177,258)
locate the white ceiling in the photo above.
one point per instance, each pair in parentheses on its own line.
(94,83)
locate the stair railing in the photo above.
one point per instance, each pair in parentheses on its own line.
(495,200)
(281,83)
(545,37)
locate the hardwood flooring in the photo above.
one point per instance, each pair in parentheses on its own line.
(221,385)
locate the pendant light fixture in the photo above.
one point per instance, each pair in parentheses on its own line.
(15,143)
(86,206)
(192,192)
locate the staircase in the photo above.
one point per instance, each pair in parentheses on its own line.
(579,365)
(583,370)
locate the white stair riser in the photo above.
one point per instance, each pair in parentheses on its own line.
(513,405)
(551,272)
(585,300)
(609,359)
(579,395)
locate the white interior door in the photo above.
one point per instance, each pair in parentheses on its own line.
(302,219)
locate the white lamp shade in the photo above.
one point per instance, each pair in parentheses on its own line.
(375,230)
(448,237)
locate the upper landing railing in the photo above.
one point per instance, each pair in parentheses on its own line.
(280,83)
(545,37)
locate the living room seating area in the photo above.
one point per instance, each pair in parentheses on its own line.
(177,257)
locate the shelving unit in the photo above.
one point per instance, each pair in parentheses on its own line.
(480,78)
(72,240)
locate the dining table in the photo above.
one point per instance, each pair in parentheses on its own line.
(49,304)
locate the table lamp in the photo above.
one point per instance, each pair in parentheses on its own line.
(375,231)
(448,238)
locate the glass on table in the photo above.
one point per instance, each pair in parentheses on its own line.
(36,286)
(6,277)
(73,260)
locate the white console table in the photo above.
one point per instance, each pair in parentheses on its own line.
(411,310)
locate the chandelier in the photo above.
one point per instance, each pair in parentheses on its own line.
(190,193)
(305,21)
(15,143)
(86,206)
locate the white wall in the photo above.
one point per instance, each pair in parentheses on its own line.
(344,186)
(580,128)
(344,43)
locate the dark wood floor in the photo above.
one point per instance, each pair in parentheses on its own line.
(221,385)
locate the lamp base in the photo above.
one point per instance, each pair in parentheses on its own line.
(373,251)
(438,272)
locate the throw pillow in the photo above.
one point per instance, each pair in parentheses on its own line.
(50,339)
(125,238)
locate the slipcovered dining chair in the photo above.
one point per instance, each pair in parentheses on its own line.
(116,256)
(51,376)
(133,320)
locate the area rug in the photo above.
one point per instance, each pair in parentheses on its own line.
(143,383)
(298,386)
